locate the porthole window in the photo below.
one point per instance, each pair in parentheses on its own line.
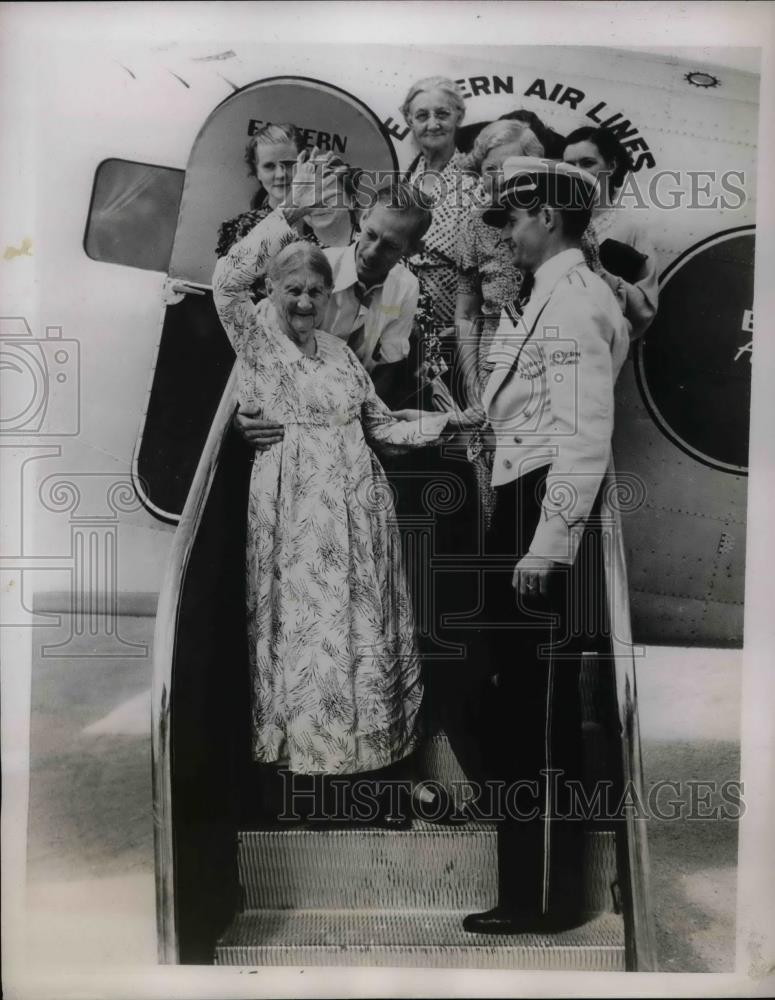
(133,214)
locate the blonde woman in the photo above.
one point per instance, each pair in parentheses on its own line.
(272,156)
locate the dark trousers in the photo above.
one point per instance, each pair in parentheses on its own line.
(513,710)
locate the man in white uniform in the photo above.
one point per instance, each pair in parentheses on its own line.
(550,403)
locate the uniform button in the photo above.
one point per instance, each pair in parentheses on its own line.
(517,440)
(507,463)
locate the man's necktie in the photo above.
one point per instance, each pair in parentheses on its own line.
(356,338)
(525,290)
(516,307)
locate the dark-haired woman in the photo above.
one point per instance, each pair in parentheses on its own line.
(627,259)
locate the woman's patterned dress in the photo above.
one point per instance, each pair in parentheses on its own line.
(335,673)
(485,269)
(436,266)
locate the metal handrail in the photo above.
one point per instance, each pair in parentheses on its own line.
(163,656)
(639,922)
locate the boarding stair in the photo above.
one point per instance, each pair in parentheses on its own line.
(250,895)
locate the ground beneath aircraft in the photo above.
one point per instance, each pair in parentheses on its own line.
(90,900)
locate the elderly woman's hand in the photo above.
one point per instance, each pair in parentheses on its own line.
(262,434)
(408,415)
(459,420)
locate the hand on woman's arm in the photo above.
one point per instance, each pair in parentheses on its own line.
(262,434)
(638,299)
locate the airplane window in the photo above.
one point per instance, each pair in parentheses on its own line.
(133,214)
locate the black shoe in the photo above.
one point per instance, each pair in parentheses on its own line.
(394,821)
(503,920)
(441,812)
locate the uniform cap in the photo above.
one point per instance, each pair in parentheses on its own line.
(529,181)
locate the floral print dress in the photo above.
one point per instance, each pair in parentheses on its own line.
(436,266)
(335,673)
(485,269)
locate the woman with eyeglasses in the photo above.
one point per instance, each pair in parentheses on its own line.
(434,109)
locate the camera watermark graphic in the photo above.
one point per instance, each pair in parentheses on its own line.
(93,504)
(39,381)
(417,553)
(59,526)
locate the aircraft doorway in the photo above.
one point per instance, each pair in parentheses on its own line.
(194,357)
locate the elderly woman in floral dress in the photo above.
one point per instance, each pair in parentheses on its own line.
(335,673)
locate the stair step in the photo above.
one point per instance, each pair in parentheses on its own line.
(428,867)
(419,938)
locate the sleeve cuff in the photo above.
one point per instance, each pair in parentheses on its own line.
(554,540)
(431,426)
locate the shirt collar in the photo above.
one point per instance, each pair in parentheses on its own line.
(550,272)
(347,274)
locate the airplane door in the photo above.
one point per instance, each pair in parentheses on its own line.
(194,356)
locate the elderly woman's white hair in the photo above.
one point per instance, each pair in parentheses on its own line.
(299,254)
(501,133)
(442,83)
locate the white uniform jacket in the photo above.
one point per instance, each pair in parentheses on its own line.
(550,397)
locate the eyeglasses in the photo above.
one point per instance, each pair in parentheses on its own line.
(441,114)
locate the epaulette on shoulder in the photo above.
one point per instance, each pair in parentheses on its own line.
(575,277)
